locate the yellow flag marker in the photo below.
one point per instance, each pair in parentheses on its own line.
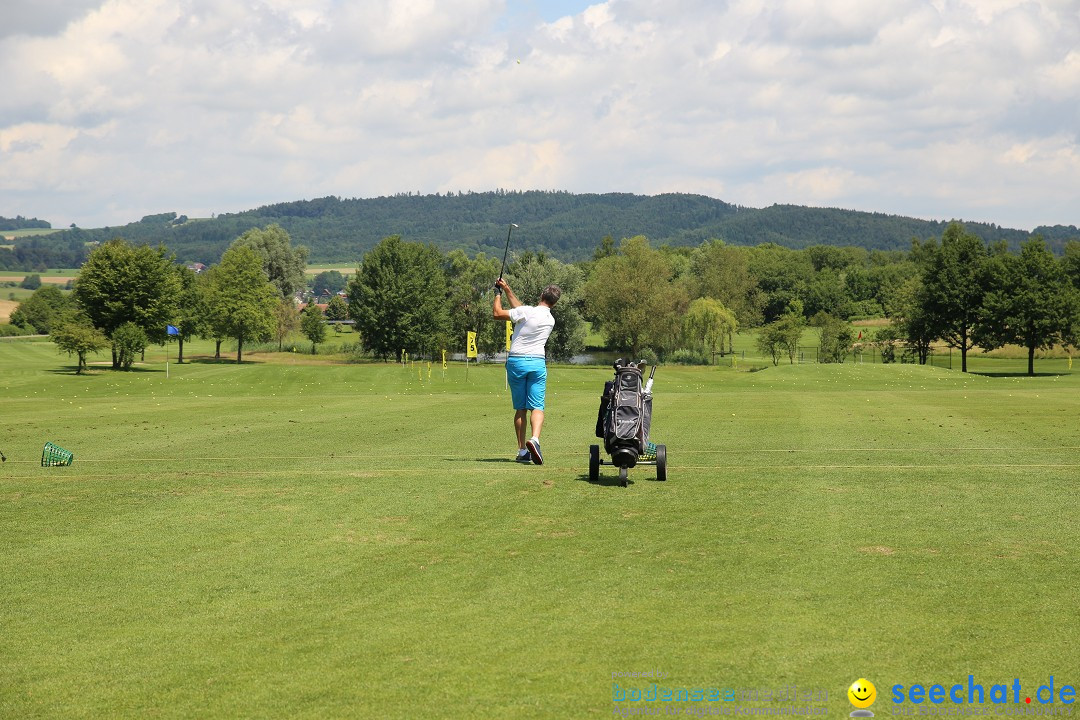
(471,344)
(509,333)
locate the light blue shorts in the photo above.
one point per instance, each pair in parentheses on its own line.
(527,377)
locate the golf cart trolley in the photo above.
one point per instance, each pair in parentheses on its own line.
(623,423)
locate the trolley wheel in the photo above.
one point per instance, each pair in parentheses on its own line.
(594,463)
(661,463)
(622,476)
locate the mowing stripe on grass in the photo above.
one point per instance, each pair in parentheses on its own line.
(404,456)
(876,466)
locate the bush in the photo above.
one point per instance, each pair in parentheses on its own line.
(686,356)
(863,310)
(7,330)
(31,282)
(649,356)
(128,340)
(885,340)
(837,338)
(355,353)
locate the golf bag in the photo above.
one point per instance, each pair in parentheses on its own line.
(625,414)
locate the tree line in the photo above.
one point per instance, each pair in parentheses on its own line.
(21,223)
(559,224)
(961,291)
(671,303)
(405,298)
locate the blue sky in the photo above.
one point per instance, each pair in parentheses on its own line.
(548,11)
(941,109)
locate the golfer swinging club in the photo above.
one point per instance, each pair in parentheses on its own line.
(526,369)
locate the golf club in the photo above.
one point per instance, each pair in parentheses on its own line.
(501,271)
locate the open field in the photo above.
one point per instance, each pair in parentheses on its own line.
(343,269)
(278,539)
(57,278)
(6,308)
(27,232)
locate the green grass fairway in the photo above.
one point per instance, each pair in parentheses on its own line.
(278,539)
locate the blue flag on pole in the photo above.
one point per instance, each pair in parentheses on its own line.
(172,330)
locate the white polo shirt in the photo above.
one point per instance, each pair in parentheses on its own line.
(532,325)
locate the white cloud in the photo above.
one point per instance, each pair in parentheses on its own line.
(955,108)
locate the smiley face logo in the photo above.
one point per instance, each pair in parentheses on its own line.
(862,693)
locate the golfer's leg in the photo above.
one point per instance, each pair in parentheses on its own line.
(537,422)
(536,398)
(519,427)
(516,379)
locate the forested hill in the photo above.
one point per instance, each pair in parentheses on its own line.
(566,225)
(20,223)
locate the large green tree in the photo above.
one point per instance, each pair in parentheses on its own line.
(313,325)
(782,275)
(337,309)
(329,281)
(128,340)
(240,299)
(910,318)
(41,309)
(398,299)
(1071,262)
(837,339)
(827,292)
(954,284)
(770,341)
(707,324)
(723,272)
(528,275)
(283,264)
(789,328)
(1031,301)
(469,299)
(120,283)
(191,316)
(286,319)
(633,295)
(75,335)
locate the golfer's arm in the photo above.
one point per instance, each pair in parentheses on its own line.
(498,313)
(514,302)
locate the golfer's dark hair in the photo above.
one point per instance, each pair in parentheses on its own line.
(551,294)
